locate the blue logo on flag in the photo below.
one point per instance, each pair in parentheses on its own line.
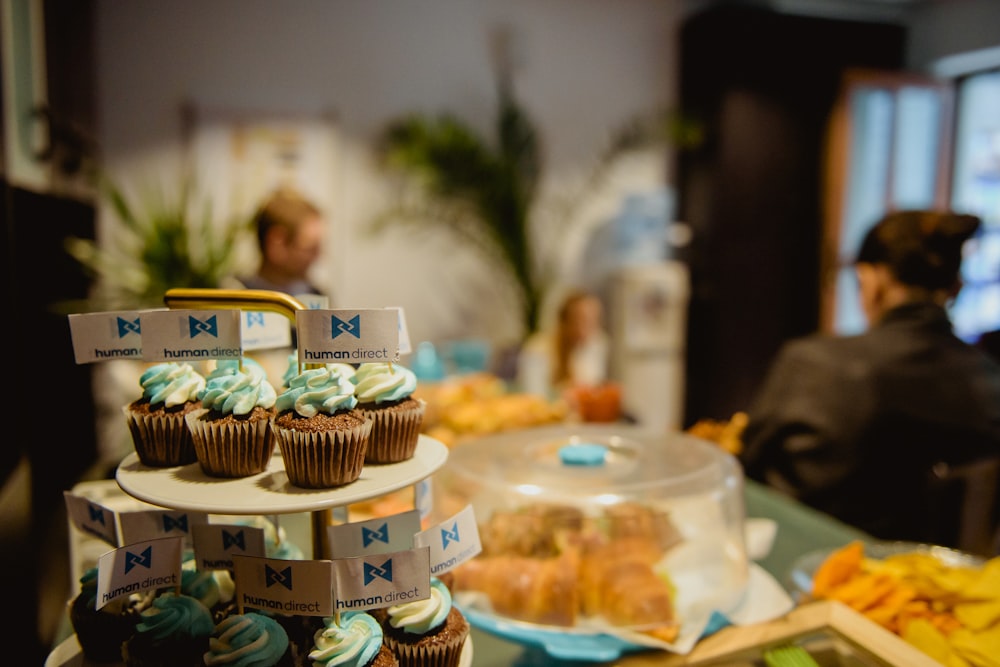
(209,327)
(170,523)
(272,576)
(125,327)
(96,514)
(339,326)
(145,559)
(254,318)
(449,535)
(230,540)
(372,572)
(381,535)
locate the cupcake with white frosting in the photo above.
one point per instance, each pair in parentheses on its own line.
(385,395)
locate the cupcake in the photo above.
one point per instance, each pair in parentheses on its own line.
(249,640)
(207,587)
(231,431)
(156,419)
(385,395)
(356,641)
(322,438)
(424,633)
(102,631)
(173,632)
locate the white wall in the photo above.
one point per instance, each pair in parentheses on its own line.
(583,68)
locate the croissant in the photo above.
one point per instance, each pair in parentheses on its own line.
(618,582)
(536,590)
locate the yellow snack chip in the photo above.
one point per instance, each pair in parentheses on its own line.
(981,649)
(922,634)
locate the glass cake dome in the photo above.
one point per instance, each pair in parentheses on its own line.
(594,526)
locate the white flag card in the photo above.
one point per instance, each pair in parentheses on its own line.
(191,335)
(451,542)
(374,536)
(381,580)
(423,497)
(265,330)
(347,336)
(139,567)
(91,518)
(314,301)
(405,347)
(300,587)
(106,336)
(215,544)
(142,525)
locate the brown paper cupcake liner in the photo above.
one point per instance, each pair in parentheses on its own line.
(394,433)
(323,459)
(160,441)
(231,449)
(427,655)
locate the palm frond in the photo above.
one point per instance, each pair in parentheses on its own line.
(165,240)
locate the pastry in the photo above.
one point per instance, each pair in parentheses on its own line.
(426,633)
(322,438)
(385,395)
(173,632)
(249,640)
(231,432)
(354,641)
(156,419)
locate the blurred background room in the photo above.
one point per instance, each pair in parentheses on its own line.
(705,167)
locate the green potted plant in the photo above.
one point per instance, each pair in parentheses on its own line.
(485,190)
(162,240)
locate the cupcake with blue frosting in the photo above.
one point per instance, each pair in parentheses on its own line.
(172,632)
(322,437)
(355,640)
(156,420)
(249,640)
(231,432)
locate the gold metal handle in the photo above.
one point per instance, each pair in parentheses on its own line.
(245,299)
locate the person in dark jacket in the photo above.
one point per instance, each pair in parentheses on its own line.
(854,425)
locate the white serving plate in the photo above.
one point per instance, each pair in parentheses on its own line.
(188,488)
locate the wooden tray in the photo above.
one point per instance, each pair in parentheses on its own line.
(826,629)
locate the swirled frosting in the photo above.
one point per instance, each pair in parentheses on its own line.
(171,615)
(382,382)
(201,585)
(353,643)
(171,384)
(293,369)
(316,390)
(248,640)
(232,390)
(421,616)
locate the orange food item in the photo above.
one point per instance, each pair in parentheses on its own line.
(839,567)
(949,611)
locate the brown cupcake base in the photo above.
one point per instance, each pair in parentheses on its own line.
(160,435)
(228,446)
(438,648)
(395,430)
(322,459)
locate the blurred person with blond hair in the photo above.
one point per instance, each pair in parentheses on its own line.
(290,231)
